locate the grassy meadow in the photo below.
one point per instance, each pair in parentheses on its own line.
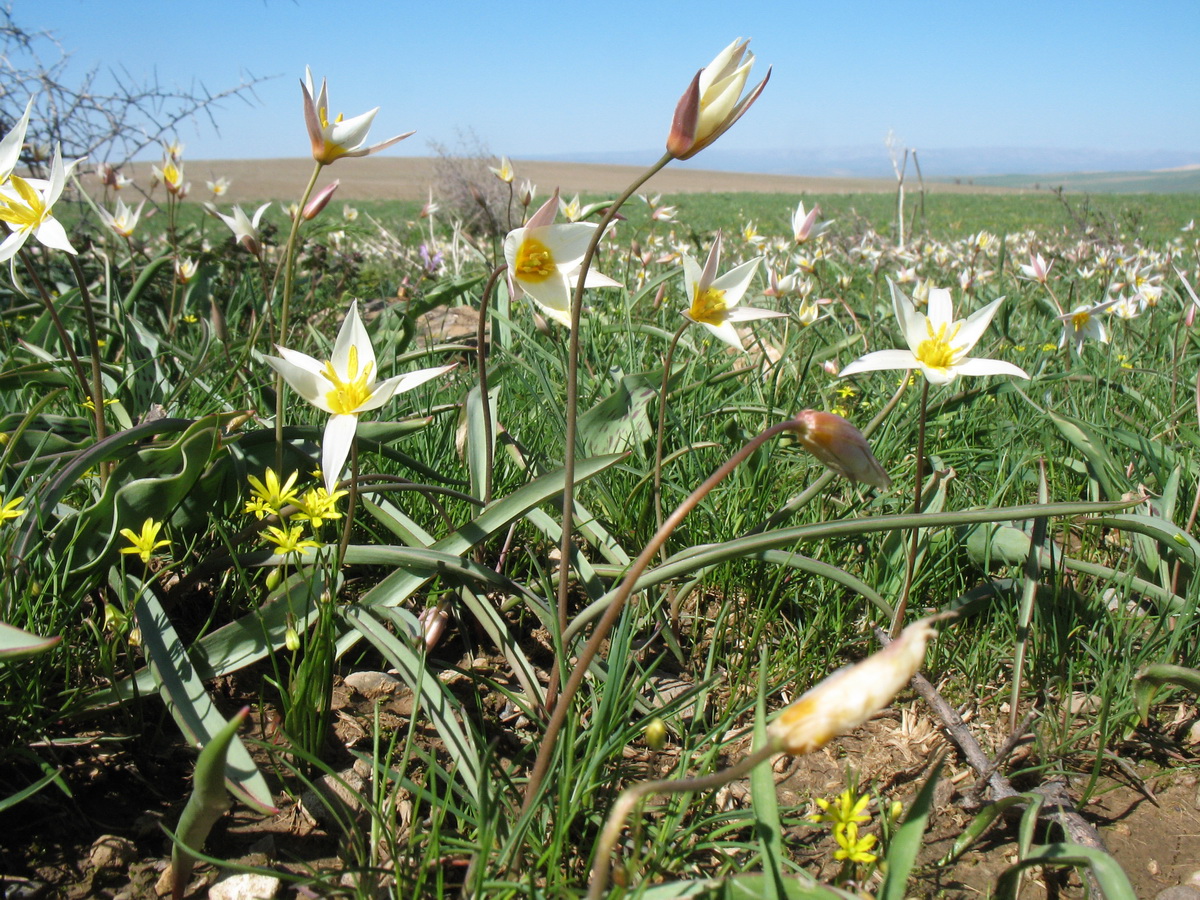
(327,595)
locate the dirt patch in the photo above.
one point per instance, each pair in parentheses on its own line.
(410,178)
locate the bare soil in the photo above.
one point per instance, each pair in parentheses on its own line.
(410,178)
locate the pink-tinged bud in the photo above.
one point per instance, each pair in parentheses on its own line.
(1190,317)
(433,621)
(683,125)
(850,696)
(831,367)
(840,446)
(320,200)
(713,101)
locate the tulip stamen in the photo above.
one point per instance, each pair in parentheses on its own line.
(937,352)
(709,306)
(348,396)
(534,262)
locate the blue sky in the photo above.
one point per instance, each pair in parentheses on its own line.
(538,78)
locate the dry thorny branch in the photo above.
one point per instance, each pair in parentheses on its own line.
(106,115)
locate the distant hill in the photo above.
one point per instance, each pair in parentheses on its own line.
(1173,181)
(1158,171)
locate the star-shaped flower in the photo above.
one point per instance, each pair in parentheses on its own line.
(345,386)
(331,140)
(938,343)
(714,301)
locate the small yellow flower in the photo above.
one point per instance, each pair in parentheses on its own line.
(853,848)
(846,810)
(270,496)
(90,404)
(9,508)
(145,543)
(289,540)
(318,504)
(1049,348)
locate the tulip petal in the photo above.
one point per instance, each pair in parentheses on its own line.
(302,373)
(335,447)
(398,384)
(750,313)
(975,325)
(989,367)
(881,359)
(736,281)
(353,334)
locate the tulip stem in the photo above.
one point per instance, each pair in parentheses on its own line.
(485,401)
(63,335)
(89,317)
(572,407)
(662,420)
(630,797)
(351,503)
(613,612)
(289,259)
(918,477)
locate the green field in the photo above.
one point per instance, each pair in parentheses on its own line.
(414,610)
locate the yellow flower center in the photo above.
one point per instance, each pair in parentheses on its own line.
(23,216)
(348,396)
(708,306)
(1080,319)
(324,114)
(535,262)
(936,351)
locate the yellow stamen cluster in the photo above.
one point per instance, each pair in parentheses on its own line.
(535,262)
(1081,319)
(23,216)
(708,306)
(937,351)
(348,396)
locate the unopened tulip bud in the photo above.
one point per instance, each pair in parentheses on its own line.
(433,621)
(291,639)
(711,104)
(273,578)
(320,200)
(850,696)
(840,446)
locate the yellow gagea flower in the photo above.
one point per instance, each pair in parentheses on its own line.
(344,386)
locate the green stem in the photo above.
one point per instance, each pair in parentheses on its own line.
(89,317)
(634,794)
(572,402)
(918,478)
(485,401)
(609,619)
(662,420)
(63,334)
(289,259)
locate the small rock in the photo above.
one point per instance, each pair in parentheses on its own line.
(1085,704)
(335,798)
(373,684)
(111,852)
(1152,866)
(1179,892)
(23,889)
(1193,733)
(1194,879)
(244,886)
